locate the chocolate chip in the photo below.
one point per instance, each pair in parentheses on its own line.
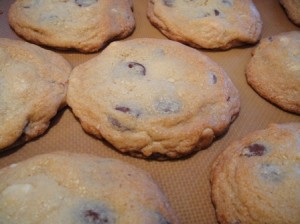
(85,3)
(254,150)
(270,39)
(128,110)
(271,172)
(213,78)
(216,12)
(227,2)
(168,106)
(137,68)
(169,3)
(228,99)
(96,213)
(117,124)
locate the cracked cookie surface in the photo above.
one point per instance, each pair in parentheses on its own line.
(74,188)
(84,25)
(153,98)
(214,24)
(33,86)
(256,179)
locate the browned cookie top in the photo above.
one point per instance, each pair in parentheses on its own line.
(257,179)
(33,86)
(213,24)
(85,25)
(274,70)
(152,97)
(74,188)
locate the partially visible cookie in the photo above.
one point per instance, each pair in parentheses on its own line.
(292,8)
(214,24)
(33,86)
(153,98)
(74,188)
(274,70)
(84,25)
(257,179)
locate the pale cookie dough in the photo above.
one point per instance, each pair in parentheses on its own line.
(153,98)
(213,24)
(33,86)
(84,25)
(292,8)
(69,188)
(274,70)
(257,179)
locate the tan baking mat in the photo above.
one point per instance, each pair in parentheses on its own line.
(185,182)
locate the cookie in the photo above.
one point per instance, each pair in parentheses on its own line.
(257,179)
(273,71)
(74,188)
(153,98)
(84,25)
(214,24)
(33,86)
(292,9)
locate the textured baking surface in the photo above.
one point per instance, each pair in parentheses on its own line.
(185,182)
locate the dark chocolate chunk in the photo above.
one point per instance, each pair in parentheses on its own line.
(217,12)
(254,150)
(169,3)
(96,213)
(85,3)
(137,68)
(128,110)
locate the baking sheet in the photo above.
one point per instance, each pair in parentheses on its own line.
(185,181)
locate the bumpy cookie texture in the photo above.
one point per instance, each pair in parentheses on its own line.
(292,8)
(80,189)
(214,24)
(33,86)
(257,179)
(153,98)
(274,70)
(84,25)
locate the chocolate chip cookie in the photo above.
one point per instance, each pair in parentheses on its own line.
(292,8)
(84,25)
(33,86)
(273,71)
(214,24)
(153,98)
(257,179)
(74,188)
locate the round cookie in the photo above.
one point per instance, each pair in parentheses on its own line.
(84,25)
(257,179)
(153,98)
(292,8)
(214,24)
(74,188)
(33,86)
(273,71)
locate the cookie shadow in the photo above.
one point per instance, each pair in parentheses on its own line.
(22,141)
